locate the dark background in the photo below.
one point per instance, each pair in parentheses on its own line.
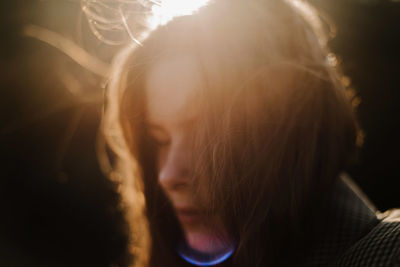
(58,209)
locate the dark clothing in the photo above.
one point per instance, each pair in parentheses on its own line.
(360,236)
(355,233)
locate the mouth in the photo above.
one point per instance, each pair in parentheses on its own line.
(189,216)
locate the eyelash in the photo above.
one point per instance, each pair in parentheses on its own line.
(160,143)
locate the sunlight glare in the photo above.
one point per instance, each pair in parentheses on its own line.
(166,10)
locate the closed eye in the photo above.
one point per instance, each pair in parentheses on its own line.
(161,142)
(158,135)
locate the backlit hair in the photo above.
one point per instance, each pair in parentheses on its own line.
(275,131)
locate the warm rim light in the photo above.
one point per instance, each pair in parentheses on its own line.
(165,10)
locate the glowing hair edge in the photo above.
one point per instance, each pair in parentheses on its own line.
(126,173)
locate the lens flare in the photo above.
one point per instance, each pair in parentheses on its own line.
(204,259)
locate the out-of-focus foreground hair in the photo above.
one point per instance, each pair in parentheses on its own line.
(276,129)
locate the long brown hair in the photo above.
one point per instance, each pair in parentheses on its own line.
(275,131)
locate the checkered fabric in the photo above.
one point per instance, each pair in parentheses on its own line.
(360,236)
(380,247)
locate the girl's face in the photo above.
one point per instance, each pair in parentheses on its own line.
(173,110)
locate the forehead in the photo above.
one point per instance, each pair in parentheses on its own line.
(172,88)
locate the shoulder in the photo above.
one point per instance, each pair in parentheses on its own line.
(380,247)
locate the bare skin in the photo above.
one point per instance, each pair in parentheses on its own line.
(173,109)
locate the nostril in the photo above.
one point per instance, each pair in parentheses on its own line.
(172,183)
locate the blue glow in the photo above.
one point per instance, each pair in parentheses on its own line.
(203,259)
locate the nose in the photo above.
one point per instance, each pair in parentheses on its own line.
(174,168)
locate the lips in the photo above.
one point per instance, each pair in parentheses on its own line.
(189,215)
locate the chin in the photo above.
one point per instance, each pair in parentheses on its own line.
(207,240)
